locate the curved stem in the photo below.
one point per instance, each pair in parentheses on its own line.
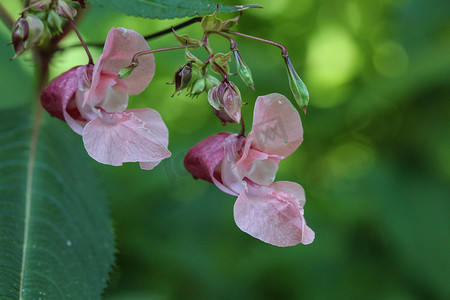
(284,51)
(233,44)
(91,61)
(135,56)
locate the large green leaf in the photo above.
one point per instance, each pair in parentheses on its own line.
(56,238)
(168,9)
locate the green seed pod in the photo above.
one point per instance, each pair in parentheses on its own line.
(298,88)
(243,70)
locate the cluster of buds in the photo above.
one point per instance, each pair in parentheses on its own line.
(40,21)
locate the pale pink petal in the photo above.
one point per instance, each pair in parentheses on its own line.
(273,214)
(155,123)
(115,98)
(260,167)
(149,165)
(122,137)
(230,178)
(277,127)
(120,46)
(76,124)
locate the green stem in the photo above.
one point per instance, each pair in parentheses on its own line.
(284,51)
(5,17)
(134,60)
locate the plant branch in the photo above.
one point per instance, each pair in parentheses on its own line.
(233,44)
(156,34)
(169,30)
(5,17)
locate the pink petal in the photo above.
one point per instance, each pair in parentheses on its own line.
(203,160)
(277,128)
(120,46)
(60,91)
(273,214)
(115,98)
(152,120)
(122,137)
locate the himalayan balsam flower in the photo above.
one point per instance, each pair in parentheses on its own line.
(246,167)
(93,101)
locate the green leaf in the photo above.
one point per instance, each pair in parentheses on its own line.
(56,238)
(168,9)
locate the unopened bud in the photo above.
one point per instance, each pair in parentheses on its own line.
(125,72)
(65,10)
(54,22)
(211,82)
(298,88)
(243,70)
(27,32)
(198,87)
(185,76)
(40,5)
(226,102)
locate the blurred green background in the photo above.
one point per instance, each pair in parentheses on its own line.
(375,161)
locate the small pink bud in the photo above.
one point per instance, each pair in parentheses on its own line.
(226,102)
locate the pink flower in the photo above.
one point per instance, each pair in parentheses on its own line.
(93,101)
(246,167)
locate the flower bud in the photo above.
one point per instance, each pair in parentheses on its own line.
(40,5)
(226,102)
(27,32)
(54,22)
(125,72)
(198,87)
(298,88)
(211,82)
(185,76)
(243,70)
(65,10)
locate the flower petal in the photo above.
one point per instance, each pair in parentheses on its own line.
(273,214)
(203,160)
(277,127)
(122,137)
(152,120)
(120,46)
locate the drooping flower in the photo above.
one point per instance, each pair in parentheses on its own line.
(93,101)
(246,167)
